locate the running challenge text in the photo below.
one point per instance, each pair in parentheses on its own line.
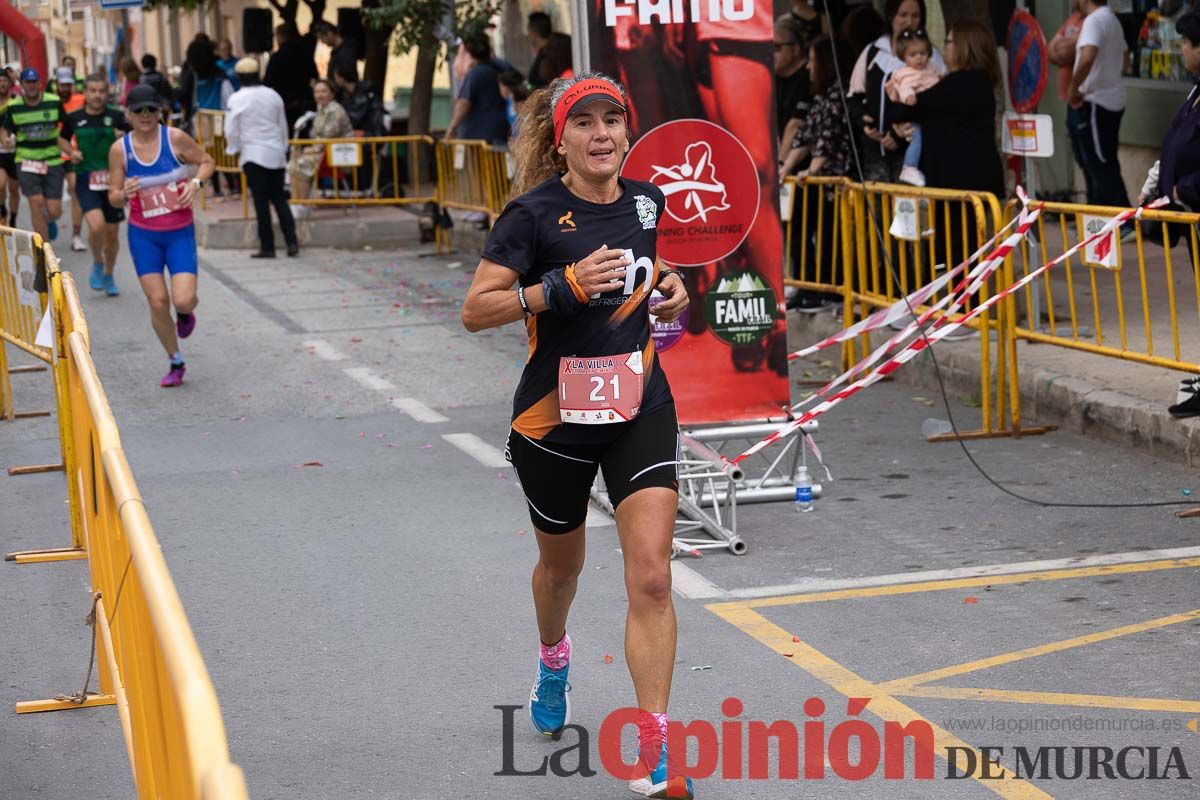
(669,11)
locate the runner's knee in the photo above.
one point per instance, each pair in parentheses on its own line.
(649,584)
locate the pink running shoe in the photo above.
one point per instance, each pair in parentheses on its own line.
(185,324)
(174,377)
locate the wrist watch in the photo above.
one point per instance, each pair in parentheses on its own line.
(197,183)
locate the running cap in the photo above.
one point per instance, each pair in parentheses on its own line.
(580,95)
(30,74)
(64,75)
(246,66)
(141,97)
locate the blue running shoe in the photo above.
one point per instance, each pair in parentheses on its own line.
(110,287)
(52,230)
(549,704)
(659,784)
(97,279)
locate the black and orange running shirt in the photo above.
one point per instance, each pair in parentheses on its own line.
(548,228)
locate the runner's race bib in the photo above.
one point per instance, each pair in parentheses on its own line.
(35,167)
(159,200)
(600,390)
(98,180)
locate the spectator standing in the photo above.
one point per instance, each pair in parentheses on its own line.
(556,61)
(917,75)
(290,72)
(330,122)
(882,157)
(539,30)
(793,87)
(130,76)
(1096,103)
(1061,50)
(362,103)
(479,109)
(515,91)
(343,52)
(227,61)
(156,80)
(256,131)
(810,21)
(826,136)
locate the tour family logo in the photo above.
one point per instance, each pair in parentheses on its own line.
(741,308)
(710,184)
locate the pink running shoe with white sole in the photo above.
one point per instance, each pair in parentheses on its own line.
(185,324)
(174,377)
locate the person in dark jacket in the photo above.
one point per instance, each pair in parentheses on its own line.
(290,72)
(362,103)
(479,109)
(957,115)
(156,80)
(1176,175)
(343,51)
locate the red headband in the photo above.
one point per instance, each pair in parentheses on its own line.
(580,95)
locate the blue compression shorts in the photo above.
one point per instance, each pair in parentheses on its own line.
(154,250)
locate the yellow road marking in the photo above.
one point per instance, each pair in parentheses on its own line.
(904,684)
(961,583)
(850,684)
(1050,698)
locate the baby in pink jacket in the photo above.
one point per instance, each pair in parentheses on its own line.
(917,75)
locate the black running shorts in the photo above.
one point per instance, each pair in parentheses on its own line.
(557,478)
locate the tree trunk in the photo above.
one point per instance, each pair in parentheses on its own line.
(421,105)
(376,49)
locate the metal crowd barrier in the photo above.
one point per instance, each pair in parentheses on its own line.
(149,665)
(371,171)
(1122,298)
(21,305)
(471,176)
(925,232)
(210,133)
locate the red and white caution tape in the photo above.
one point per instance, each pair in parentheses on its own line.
(942,328)
(900,309)
(950,304)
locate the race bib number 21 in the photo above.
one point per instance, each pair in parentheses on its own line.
(600,390)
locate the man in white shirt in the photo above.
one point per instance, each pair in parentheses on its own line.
(1096,103)
(256,131)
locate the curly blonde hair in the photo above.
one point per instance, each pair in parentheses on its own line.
(534,151)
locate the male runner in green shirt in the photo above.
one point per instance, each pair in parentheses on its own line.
(95,127)
(36,119)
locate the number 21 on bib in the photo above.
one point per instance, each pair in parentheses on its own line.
(600,390)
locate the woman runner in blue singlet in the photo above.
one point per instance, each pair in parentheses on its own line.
(148,168)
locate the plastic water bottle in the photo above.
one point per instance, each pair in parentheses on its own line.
(804,498)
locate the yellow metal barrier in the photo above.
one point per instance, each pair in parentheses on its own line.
(814,220)
(21,307)
(148,663)
(210,133)
(471,176)
(371,171)
(925,232)
(1085,303)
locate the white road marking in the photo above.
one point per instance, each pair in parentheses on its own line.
(692,585)
(828,585)
(419,411)
(324,350)
(369,378)
(598,519)
(477,449)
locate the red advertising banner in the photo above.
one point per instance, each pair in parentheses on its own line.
(700,83)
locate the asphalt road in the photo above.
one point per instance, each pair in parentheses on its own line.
(361,620)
